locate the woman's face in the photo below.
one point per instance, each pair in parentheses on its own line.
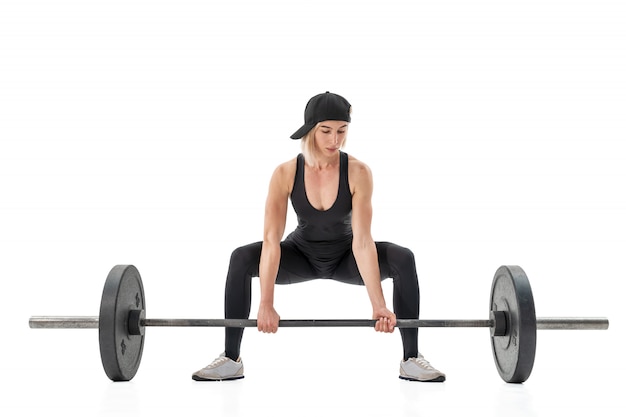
(330,136)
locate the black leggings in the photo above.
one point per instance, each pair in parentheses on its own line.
(394,261)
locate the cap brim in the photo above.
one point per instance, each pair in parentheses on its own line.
(302,131)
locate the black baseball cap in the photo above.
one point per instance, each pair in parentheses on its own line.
(326,106)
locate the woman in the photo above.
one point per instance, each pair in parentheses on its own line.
(331,193)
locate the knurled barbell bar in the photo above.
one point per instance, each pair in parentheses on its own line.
(512,323)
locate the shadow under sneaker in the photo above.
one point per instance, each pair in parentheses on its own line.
(419,369)
(221,369)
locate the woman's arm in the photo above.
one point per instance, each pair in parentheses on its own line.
(363,245)
(274,228)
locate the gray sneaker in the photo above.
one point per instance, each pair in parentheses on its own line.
(221,369)
(418,369)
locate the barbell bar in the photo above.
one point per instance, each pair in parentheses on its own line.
(512,323)
(92,322)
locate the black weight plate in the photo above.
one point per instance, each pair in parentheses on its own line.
(514,352)
(120,351)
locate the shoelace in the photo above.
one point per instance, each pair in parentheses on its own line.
(423,363)
(218,361)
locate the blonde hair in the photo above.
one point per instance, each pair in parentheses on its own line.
(308,146)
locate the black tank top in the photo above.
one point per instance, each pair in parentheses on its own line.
(323,236)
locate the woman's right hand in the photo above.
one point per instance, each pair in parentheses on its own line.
(267,319)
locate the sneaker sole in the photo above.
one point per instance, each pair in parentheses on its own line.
(438,379)
(200,379)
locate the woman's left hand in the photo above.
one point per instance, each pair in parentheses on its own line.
(386,320)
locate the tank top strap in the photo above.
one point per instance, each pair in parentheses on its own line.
(299,178)
(343,172)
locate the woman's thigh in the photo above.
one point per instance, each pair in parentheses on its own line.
(393,260)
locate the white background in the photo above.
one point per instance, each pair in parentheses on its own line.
(145,132)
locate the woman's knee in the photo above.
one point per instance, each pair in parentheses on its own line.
(246,255)
(244,262)
(402,259)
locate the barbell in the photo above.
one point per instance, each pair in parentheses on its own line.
(512,323)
